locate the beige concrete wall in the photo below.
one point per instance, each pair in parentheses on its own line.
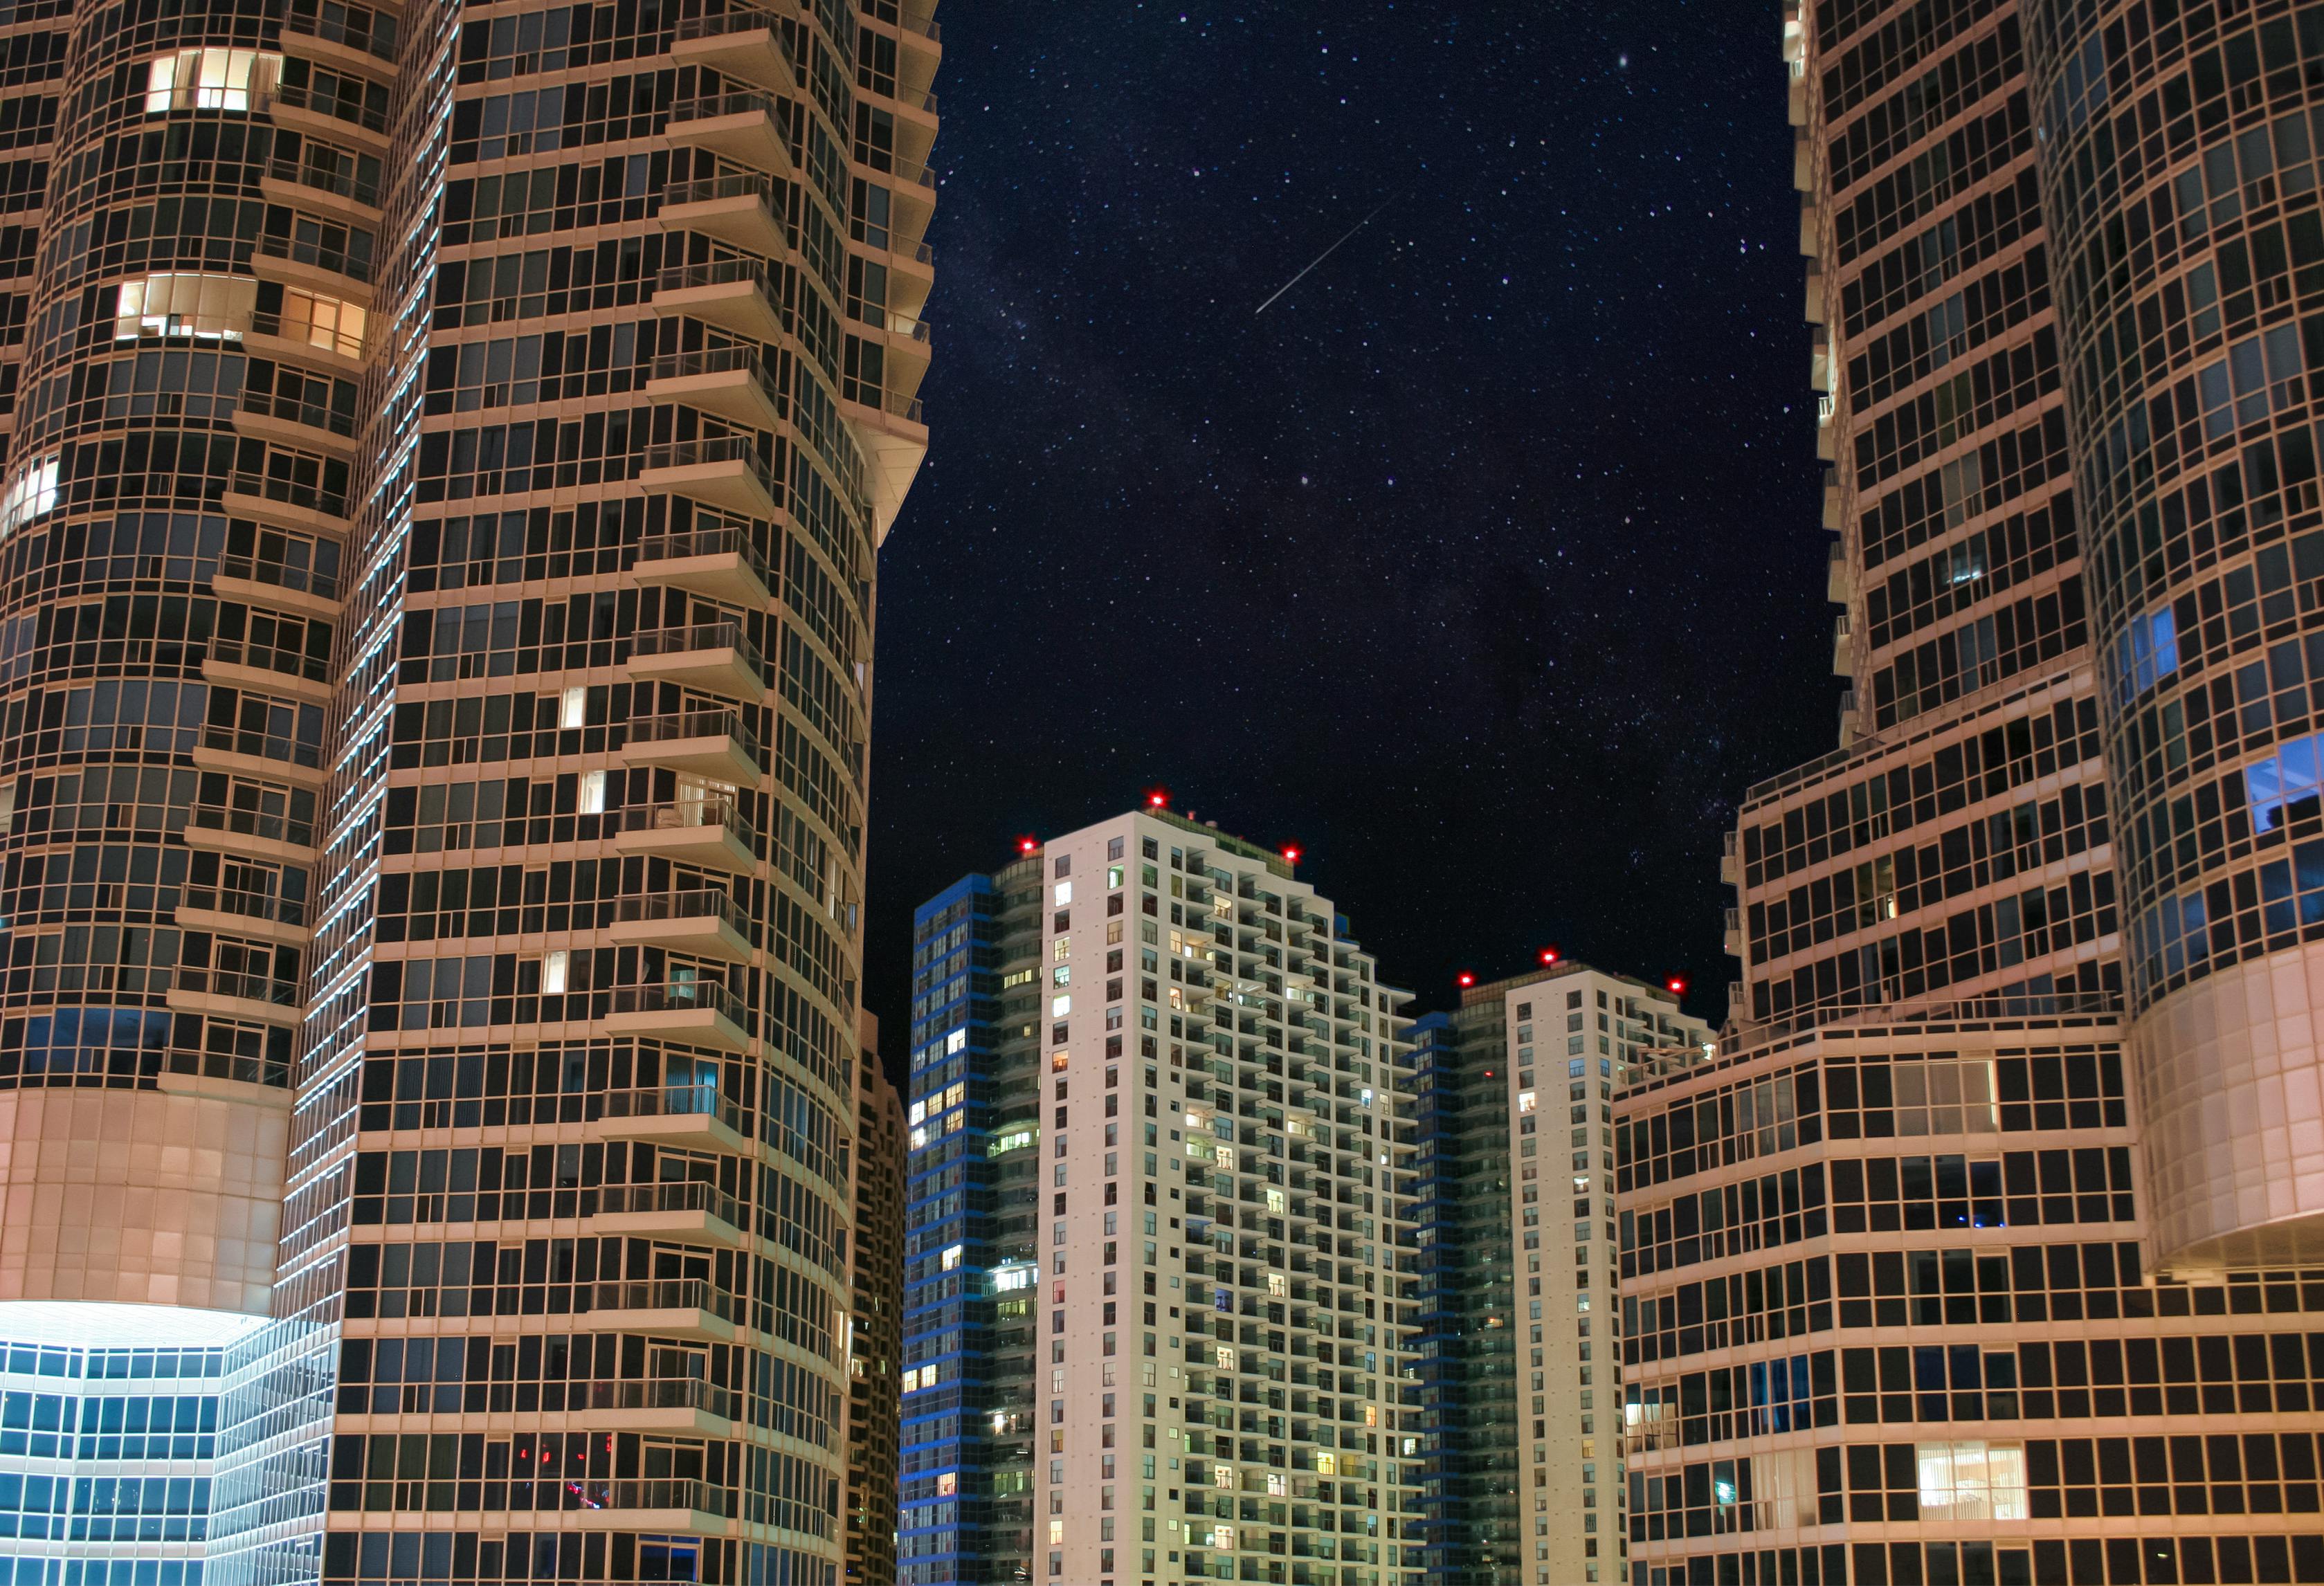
(168,1197)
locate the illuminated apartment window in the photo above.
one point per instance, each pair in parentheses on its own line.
(183,303)
(208,79)
(323,322)
(31,491)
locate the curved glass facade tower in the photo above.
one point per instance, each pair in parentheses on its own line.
(437,544)
(2180,178)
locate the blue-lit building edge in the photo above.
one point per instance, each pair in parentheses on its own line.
(105,1464)
(942,1439)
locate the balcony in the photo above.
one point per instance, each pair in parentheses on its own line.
(729,293)
(730,381)
(340,193)
(690,1207)
(264,668)
(1842,660)
(221,829)
(703,921)
(274,584)
(712,744)
(256,915)
(709,832)
(701,1013)
(720,563)
(722,471)
(733,209)
(745,44)
(642,1505)
(1733,940)
(266,755)
(1729,866)
(287,503)
(236,996)
(297,109)
(672,1307)
(741,127)
(678,1115)
(1838,579)
(715,657)
(294,423)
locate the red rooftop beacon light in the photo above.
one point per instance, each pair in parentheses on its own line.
(1549,956)
(1158,798)
(1464,979)
(1291,854)
(1675,985)
(1027,845)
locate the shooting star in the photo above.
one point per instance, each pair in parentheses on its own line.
(1327,253)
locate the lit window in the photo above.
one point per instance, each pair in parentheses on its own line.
(208,79)
(1064,893)
(573,707)
(956,1041)
(592,793)
(948,1483)
(1060,1006)
(321,322)
(1064,949)
(553,967)
(1972,1481)
(1062,975)
(30,492)
(951,1258)
(1524,1103)
(185,303)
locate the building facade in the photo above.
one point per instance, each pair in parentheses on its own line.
(1159,1264)
(448,448)
(1947,1265)
(1520,1356)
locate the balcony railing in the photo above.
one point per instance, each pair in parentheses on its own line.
(703,903)
(738,21)
(292,410)
(560,1494)
(251,822)
(669,1294)
(736,102)
(263,745)
(706,542)
(719,361)
(701,636)
(682,725)
(343,184)
(734,184)
(902,406)
(700,814)
(304,580)
(711,273)
(289,911)
(716,449)
(300,249)
(314,498)
(681,997)
(251,988)
(266,657)
(687,1195)
(678,1101)
(300,98)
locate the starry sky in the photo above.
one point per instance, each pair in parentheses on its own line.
(1484,564)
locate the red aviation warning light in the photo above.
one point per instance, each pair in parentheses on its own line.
(1549,956)
(1675,985)
(1464,979)
(1027,845)
(1291,854)
(1158,798)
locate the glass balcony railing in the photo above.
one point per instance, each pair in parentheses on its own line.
(684,725)
(687,1195)
(681,997)
(698,636)
(676,1101)
(686,815)
(669,1294)
(705,904)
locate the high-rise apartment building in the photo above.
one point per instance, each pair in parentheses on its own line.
(1928,1274)
(449,449)
(1158,1271)
(1520,1362)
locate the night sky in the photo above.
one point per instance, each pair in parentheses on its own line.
(1484,564)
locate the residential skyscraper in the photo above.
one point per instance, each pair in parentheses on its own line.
(1158,1271)
(1520,1362)
(448,452)
(1925,1277)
